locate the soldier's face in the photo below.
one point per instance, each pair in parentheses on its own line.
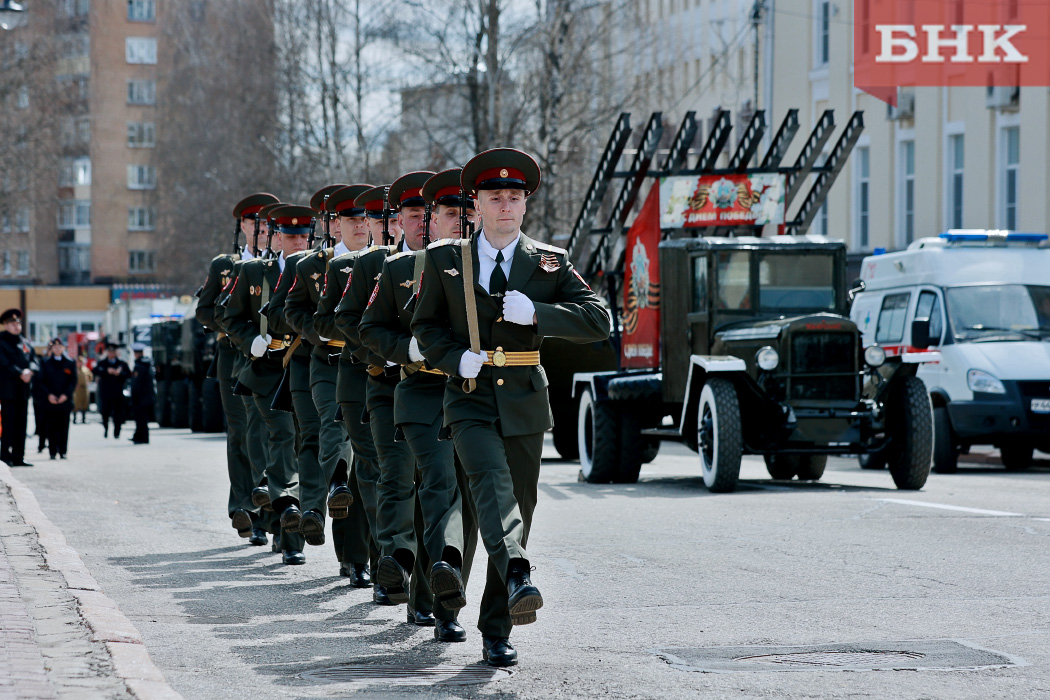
(375,226)
(411,220)
(248,228)
(14,326)
(355,236)
(290,244)
(446,221)
(335,228)
(501,210)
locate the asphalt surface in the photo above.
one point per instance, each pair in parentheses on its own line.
(628,572)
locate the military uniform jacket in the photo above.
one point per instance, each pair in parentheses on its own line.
(363,279)
(386,328)
(16,355)
(277,310)
(304,297)
(352,381)
(220,273)
(142,391)
(219,316)
(242,321)
(565,308)
(58,377)
(111,386)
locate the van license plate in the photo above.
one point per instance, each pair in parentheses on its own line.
(1040,405)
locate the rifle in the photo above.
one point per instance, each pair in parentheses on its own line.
(426,224)
(326,226)
(268,253)
(466,226)
(386,218)
(237,236)
(255,237)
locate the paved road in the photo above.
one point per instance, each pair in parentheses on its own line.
(625,571)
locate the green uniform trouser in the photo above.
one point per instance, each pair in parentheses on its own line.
(238,463)
(398,520)
(282,479)
(350,535)
(503,473)
(364,469)
(313,484)
(256,436)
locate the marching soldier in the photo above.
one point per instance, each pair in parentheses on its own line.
(484,307)
(449,536)
(328,489)
(18,365)
(251,291)
(244,515)
(350,385)
(394,517)
(112,373)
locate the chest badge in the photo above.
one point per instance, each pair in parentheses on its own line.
(452,272)
(346,270)
(549,263)
(407,284)
(315,275)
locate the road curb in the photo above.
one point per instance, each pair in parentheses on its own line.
(131,662)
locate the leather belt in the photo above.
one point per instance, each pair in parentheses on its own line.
(336,343)
(375,370)
(500,358)
(412,368)
(278,344)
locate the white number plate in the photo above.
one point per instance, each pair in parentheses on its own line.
(1040,405)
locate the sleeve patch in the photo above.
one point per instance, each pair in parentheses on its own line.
(582,280)
(375,293)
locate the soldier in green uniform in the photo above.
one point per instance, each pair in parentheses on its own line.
(395,516)
(350,384)
(251,291)
(446,545)
(244,515)
(327,488)
(484,307)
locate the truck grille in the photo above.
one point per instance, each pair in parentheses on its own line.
(823,367)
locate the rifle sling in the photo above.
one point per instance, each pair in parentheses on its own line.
(471,307)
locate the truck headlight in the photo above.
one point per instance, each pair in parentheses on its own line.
(767,358)
(874,355)
(979,380)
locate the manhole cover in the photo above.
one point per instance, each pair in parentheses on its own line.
(915,655)
(411,674)
(872,659)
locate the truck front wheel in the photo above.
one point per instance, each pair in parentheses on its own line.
(718,435)
(911,452)
(599,440)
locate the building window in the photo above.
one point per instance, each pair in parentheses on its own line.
(73,46)
(140,262)
(142,92)
(142,177)
(141,218)
(141,135)
(140,50)
(22,220)
(75,172)
(5,222)
(74,214)
(22,100)
(142,10)
(1010,160)
(7,262)
(74,263)
(863,196)
(955,180)
(823,32)
(74,8)
(23,263)
(906,178)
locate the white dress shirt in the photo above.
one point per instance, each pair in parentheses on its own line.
(487,258)
(340,249)
(246,254)
(280,261)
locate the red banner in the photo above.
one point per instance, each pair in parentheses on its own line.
(641,288)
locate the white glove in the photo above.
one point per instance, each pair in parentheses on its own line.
(413,350)
(518,308)
(323,339)
(260,344)
(470,364)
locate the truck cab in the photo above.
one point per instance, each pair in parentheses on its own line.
(981,299)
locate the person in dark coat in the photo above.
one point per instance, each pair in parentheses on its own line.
(142,395)
(18,365)
(40,412)
(111,372)
(58,381)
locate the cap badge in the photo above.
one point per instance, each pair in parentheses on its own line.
(504,172)
(452,272)
(295,221)
(549,263)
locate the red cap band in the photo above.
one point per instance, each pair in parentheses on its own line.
(411,194)
(499,174)
(447,192)
(374,205)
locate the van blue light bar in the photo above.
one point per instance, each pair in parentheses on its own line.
(982,236)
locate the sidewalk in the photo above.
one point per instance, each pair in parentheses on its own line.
(60,635)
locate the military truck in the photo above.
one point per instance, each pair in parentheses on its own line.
(758,356)
(203,403)
(731,320)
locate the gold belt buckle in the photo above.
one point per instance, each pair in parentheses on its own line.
(499,358)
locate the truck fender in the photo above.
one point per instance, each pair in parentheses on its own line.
(700,366)
(939,397)
(595,381)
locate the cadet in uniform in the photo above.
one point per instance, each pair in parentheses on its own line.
(244,515)
(58,381)
(328,488)
(251,291)
(447,543)
(18,364)
(395,459)
(142,394)
(350,385)
(482,312)
(112,373)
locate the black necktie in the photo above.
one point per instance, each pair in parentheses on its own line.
(498,280)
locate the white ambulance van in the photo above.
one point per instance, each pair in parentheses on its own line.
(982,300)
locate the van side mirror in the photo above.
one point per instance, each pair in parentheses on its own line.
(856,288)
(920,333)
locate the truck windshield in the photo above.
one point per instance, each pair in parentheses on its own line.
(999,312)
(796,282)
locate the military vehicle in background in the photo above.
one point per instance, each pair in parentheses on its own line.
(730,342)
(183,353)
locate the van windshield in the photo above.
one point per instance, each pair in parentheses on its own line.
(999,312)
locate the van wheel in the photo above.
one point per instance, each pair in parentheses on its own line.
(1016,456)
(599,443)
(718,435)
(945,451)
(811,467)
(872,460)
(782,467)
(911,452)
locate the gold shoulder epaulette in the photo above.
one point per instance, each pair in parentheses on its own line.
(550,248)
(402,254)
(443,241)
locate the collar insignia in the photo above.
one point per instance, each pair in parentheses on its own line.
(453,272)
(549,263)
